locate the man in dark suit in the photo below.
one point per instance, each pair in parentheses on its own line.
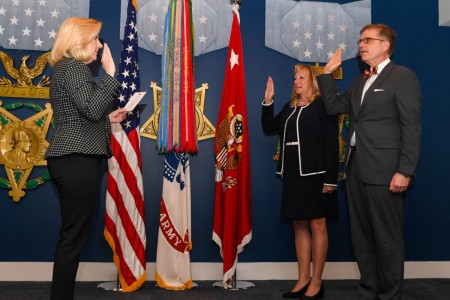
(384,137)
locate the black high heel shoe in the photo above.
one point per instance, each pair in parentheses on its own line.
(297,294)
(319,294)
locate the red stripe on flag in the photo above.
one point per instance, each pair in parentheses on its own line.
(132,236)
(135,141)
(128,173)
(130,180)
(124,270)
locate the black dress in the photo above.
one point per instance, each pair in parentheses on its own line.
(302,197)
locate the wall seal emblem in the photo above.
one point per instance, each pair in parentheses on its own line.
(22,147)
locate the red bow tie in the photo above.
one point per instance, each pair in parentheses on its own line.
(368,73)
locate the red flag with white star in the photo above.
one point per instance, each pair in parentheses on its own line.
(232,208)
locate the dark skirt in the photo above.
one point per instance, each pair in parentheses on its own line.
(302,197)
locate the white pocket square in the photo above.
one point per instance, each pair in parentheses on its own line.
(378,90)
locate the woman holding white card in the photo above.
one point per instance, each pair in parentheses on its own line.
(80,140)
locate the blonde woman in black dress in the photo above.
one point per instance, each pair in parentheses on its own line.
(308,165)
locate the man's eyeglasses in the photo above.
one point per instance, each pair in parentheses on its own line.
(368,39)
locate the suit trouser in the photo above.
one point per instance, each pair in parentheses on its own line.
(77,180)
(376,220)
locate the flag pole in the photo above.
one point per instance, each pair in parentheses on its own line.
(235,284)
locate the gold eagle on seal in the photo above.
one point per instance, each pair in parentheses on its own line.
(24,74)
(228,139)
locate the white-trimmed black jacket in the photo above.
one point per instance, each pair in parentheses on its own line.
(317,137)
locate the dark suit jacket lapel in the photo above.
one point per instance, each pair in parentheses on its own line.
(377,83)
(356,101)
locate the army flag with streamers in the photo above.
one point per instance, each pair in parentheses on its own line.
(177,138)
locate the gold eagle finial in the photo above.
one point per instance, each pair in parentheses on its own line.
(24,74)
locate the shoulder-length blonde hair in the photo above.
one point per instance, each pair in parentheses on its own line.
(73,36)
(313,72)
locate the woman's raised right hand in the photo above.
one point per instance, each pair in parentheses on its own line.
(107,61)
(270,91)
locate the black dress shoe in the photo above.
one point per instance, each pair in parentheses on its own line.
(297,294)
(319,294)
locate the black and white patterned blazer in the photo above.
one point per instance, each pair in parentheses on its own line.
(80,110)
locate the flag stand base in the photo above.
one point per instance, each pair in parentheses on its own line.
(240,285)
(235,284)
(110,286)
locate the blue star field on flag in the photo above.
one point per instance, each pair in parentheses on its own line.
(128,75)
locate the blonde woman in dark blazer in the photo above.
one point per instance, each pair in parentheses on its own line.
(80,139)
(308,164)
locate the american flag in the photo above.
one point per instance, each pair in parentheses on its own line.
(125,217)
(32,24)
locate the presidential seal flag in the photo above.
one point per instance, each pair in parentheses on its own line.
(173,269)
(232,207)
(125,218)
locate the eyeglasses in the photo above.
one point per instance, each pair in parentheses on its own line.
(367,40)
